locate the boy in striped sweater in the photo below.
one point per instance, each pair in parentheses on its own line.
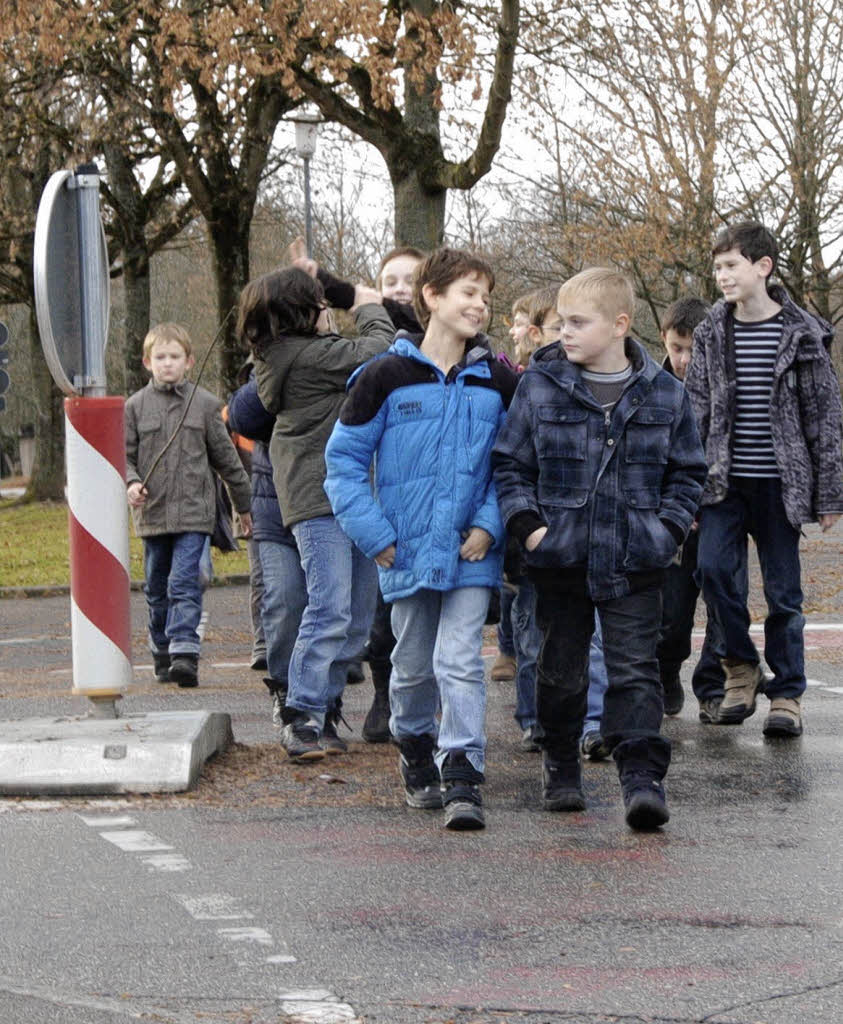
(767,403)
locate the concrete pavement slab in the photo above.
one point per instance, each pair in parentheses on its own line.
(158,752)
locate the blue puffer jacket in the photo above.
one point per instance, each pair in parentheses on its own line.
(432,438)
(617,492)
(247,416)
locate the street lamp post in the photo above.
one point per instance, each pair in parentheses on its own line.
(307,127)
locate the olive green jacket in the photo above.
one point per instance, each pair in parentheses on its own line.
(301,381)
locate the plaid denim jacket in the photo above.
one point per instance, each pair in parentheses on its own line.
(618,492)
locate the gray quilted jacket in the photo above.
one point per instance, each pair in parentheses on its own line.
(805,409)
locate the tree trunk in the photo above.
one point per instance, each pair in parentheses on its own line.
(229,235)
(137,298)
(47,482)
(419,212)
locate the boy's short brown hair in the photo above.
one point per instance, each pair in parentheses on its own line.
(540,304)
(166,332)
(751,239)
(393,254)
(441,269)
(684,315)
(609,291)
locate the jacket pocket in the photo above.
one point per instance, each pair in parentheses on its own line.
(566,542)
(562,450)
(648,435)
(650,545)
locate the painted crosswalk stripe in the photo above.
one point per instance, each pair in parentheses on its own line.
(136,841)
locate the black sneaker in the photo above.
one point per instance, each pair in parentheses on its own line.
(461,794)
(709,710)
(419,772)
(184,670)
(562,783)
(594,747)
(258,662)
(330,741)
(355,674)
(644,800)
(161,667)
(299,738)
(674,695)
(278,692)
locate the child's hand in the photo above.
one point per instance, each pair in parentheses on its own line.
(246,523)
(297,255)
(136,493)
(386,559)
(476,545)
(363,294)
(827,520)
(535,538)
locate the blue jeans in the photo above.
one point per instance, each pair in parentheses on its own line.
(527,641)
(598,683)
(437,659)
(506,641)
(342,587)
(283,600)
(754,508)
(171,563)
(632,708)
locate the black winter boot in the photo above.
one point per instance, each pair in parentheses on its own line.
(419,772)
(376,726)
(184,669)
(562,783)
(330,740)
(161,667)
(461,793)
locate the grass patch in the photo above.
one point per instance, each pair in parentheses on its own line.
(34,547)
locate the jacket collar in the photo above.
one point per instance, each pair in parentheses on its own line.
(180,389)
(793,315)
(477,349)
(552,362)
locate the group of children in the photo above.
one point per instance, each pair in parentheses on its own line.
(409,462)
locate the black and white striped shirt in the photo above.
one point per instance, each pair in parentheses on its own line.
(756,346)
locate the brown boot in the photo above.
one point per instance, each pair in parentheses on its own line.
(785,718)
(503,669)
(743,681)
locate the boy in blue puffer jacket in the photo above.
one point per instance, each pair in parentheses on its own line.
(428,411)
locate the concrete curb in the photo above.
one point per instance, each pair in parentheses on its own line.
(63,589)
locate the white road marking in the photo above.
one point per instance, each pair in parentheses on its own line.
(259,935)
(167,862)
(136,841)
(230,664)
(326,1009)
(108,820)
(280,958)
(213,907)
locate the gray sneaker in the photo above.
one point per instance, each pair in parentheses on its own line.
(301,741)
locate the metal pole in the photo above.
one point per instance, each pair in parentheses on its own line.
(308,220)
(93,297)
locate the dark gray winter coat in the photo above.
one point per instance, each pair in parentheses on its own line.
(805,409)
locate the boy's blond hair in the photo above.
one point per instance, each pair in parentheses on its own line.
(609,291)
(167,332)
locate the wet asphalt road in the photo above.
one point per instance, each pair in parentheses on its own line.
(220,910)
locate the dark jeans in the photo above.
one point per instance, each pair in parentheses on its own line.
(381,638)
(754,508)
(632,709)
(506,641)
(679,604)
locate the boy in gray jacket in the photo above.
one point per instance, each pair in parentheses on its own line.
(175,510)
(768,407)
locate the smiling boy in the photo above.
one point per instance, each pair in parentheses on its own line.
(599,470)
(768,405)
(428,412)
